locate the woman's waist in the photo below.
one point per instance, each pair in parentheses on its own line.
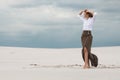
(87,32)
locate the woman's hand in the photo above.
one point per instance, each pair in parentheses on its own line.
(86,10)
(81,12)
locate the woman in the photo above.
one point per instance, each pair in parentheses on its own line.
(88,18)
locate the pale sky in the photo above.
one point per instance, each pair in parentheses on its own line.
(54,23)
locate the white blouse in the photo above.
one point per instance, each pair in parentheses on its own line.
(87,23)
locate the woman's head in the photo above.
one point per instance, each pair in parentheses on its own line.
(88,15)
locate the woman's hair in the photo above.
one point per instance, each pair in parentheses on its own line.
(89,14)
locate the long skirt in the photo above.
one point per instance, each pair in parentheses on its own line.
(86,40)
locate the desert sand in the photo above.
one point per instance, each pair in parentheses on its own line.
(57,64)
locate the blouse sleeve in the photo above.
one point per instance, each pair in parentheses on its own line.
(94,14)
(92,19)
(81,16)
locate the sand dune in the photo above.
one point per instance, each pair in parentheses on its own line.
(57,64)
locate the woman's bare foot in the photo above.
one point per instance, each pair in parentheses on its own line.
(86,67)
